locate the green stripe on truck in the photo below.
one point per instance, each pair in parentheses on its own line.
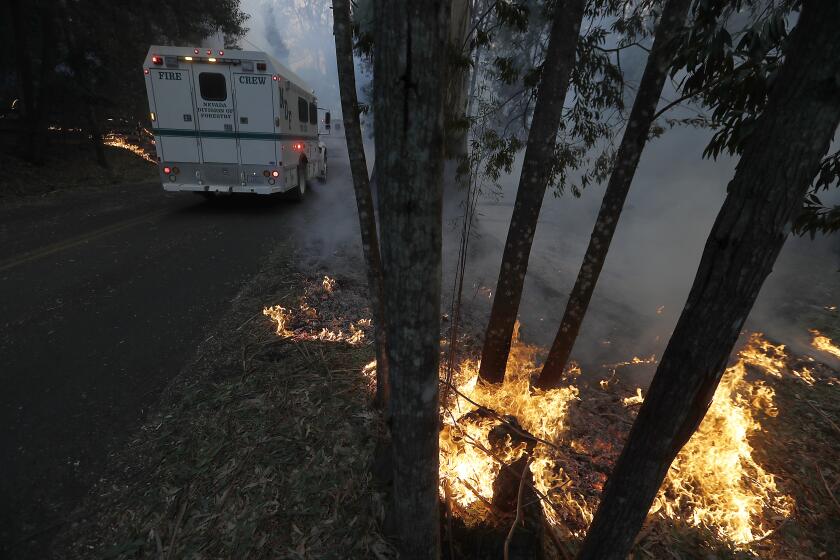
(223,134)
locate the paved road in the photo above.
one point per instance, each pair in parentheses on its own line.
(104,297)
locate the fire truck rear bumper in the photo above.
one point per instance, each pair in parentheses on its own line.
(229,189)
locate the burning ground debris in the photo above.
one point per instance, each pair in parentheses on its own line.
(825,344)
(142,147)
(322,313)
(721,490)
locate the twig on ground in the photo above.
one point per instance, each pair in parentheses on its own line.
(827,488)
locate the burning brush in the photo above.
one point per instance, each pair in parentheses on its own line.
(572,435)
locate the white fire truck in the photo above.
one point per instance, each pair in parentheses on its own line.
(232,121)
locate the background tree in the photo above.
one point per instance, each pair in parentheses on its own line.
(75,73)
(409,85)
(629,152)
(782,153)
(361,186)
(538,168)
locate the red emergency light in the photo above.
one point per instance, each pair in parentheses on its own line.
(157,59)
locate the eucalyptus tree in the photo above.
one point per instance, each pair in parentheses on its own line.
(781,154)
(538,168)
(361,186)
(409,86)
(636,133)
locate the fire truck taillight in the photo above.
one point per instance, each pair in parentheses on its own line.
(146,71)
(195,51)
(167,170)
(157,60)
(274,77)
(275,173)
(221,53)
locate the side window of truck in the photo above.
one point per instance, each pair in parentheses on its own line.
(303,110)
(212,86)
(313,114)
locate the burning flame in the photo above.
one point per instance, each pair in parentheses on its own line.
(824,344)
(281,316)
(764,355)
(714,482)
(635,399)
(471,452)
(118,141)
(306,322)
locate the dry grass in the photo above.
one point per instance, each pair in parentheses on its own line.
(262,449)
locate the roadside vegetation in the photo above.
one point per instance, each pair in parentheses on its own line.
(261,448)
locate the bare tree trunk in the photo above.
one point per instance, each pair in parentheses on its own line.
(456,87)
(33,134)
(96,136)
(629,153)
(361,186)
(536,171)
(780,159)
(409,88)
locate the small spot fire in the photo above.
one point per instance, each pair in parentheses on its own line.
(824,344)
(121,141)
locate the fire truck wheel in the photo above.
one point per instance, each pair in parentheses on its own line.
(300,190)
(323,177)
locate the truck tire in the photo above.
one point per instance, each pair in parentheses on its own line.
(323,177)
(299,191)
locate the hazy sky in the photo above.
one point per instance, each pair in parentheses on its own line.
(299,34)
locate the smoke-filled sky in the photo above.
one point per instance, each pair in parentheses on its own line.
(298,33)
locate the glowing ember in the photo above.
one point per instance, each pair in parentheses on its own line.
(328,284)
(825,344)
(118,141)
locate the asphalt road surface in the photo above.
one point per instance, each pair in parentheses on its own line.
(104,297)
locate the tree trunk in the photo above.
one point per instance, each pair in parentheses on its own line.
(536,172)
(409,89)
(96,136)
(780,159)
(361,186)
(33,132)
(629,153)
(456,87)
